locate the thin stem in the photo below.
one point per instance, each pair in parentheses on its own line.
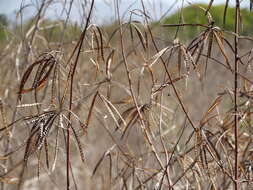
(169,75)
(236,176)
(72,74)
(147,135)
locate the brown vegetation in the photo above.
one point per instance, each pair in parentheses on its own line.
(121,108)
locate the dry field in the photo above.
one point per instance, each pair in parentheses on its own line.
(123,107)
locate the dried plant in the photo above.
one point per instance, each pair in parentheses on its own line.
(121,107)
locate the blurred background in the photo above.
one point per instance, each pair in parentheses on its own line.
(104,8)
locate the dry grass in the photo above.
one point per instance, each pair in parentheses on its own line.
(126,109)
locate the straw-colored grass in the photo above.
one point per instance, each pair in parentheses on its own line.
(121,108)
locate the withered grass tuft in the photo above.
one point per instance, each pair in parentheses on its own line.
(121,107)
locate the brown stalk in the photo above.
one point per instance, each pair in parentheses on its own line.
(72,74)
(169,75)
(147,135)
(236,129)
